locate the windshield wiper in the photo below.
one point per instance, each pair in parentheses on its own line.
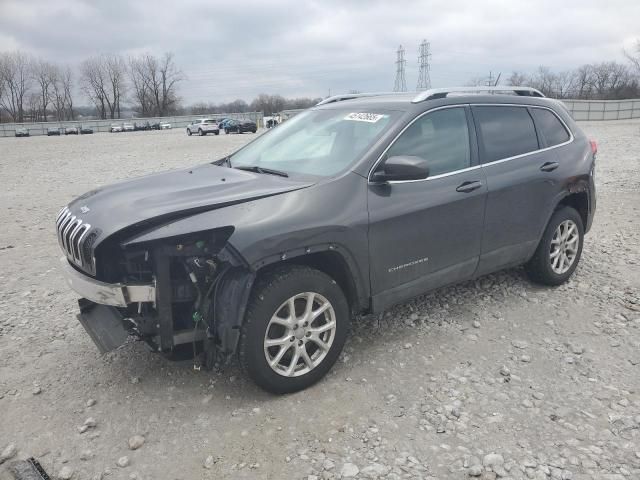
(256,169)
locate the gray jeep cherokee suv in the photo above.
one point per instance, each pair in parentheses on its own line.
(356,204)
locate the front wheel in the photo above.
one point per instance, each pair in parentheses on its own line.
(560,248)
(295,327)
(188,132)
(217,132)
(226,131)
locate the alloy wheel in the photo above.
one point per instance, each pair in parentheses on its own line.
(300,334)
(564,247)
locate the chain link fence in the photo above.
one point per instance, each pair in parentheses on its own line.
(40,128)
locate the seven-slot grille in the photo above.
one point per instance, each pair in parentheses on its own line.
(72,237)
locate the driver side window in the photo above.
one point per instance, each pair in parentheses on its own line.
(440,137)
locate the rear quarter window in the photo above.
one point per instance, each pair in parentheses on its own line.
(550,127)
(505,131)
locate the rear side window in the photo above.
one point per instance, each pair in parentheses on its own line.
(505,131)
(550,127)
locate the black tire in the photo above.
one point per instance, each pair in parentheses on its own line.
(268,295)
(201,133)
(217,132)
(188,132)
(539,267)
(226,131)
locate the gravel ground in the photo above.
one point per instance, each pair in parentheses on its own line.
(492,378)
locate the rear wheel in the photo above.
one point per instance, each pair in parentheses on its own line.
(217,132)
(201,133)
(295,327)
(560,248)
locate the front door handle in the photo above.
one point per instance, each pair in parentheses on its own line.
(467,187)
(549,166)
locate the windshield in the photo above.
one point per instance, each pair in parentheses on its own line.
(316,142)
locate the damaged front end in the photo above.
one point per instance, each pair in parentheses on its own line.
(166,292)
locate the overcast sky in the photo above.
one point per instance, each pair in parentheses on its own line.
(230,49)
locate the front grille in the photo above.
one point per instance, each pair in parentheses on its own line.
(74,238)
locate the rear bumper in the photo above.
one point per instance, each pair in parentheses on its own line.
(113,294)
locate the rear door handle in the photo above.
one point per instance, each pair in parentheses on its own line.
(549,166)
(467,187)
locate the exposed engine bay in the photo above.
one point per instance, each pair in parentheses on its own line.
(189,275)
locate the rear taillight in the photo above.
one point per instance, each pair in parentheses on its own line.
(594,146)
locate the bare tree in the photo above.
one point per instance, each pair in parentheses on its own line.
(269,104)
(60,93)
(155,82)
(66,80)
(141,89)
(583,78)
(517,79)
(94,84)
(44,74)
(103,80)
(544,79)
(32,107)
(16,78)
(563,84)
(56,95)
(115,70)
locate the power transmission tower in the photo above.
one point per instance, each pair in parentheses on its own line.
(424,79)
(400,84)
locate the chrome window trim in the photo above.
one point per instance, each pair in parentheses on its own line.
(545,149)
(480,165)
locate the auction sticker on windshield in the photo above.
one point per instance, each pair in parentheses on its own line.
(364,117)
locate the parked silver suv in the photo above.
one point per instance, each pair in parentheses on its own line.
(204,126)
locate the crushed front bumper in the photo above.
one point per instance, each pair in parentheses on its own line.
(112,294)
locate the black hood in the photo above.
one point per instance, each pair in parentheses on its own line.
(169,195)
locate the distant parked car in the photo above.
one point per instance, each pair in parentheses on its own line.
(71,131)
(223,123)
(22,132)
(165,126)
(128,127)
(86,130)
(203,126)
(155,126)
(51,131)
(141,127)
(236,126)
(115,127)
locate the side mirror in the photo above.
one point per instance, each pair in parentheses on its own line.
(403,167)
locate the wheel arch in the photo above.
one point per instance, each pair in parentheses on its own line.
(578,200)
(334,262)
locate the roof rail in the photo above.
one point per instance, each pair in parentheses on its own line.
(351,96)
(434,93)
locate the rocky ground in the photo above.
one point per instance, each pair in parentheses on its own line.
(496,378)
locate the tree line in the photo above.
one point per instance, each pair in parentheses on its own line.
(268,104)
(594,81)
(32,89)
